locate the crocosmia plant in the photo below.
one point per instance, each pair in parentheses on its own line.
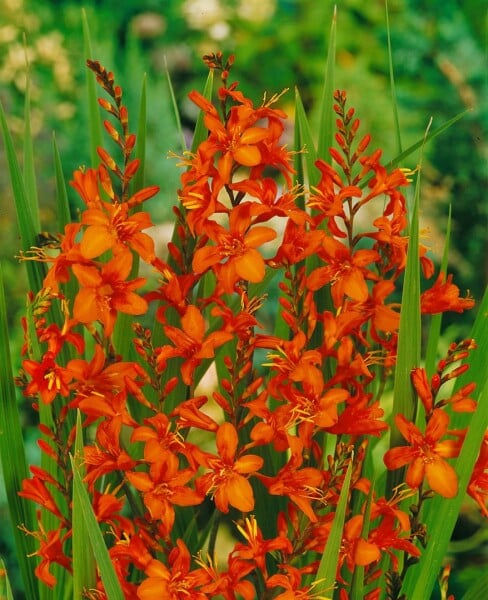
(247,414)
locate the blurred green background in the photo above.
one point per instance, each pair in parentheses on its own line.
(440,63)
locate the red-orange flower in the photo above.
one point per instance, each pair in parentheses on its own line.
(111,227)
(425,455)
(107,455)
(423,388)
(293,362)
(35,489)
(302,486)
(385,537)
(239,141)
(175,581)
(298,243)
(105,292)
(47,378)
(237,246)
(60,271)
(360,418)
(190,343)
(85,182)
(100,376)
(227,480)
(277,205)
(164,486)
(255,547)
(444,296)
(478,483)
(346,271)
(50,551)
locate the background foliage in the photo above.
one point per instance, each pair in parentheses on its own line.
(439,53)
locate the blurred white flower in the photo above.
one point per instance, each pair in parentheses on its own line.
(202,14)
(219,31)
(256,10)
(148,25)
(8,34)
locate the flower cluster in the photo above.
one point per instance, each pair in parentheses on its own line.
(266,450)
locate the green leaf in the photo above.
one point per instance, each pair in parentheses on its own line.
(478,359)
(409,338)
(357,582)
(478,589)
(396,120)
(140,151)
(174,104)
(200,133)
(173,369)
(326,126)
(436,320)
(5,588)
(27,228)
(326,573)
(14,464)
(441,514)
(95,537)
(398,160)
(84,565)
(63,214)
(304,134)
(29,167)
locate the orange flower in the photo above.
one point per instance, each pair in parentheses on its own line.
(478,483)
(423,388)
(97,377)
(444,296)
(297,244)
(164,486)
(391,244)
(290,580)
(104,293)
(50,551)
(356,550)
(383,317)
(158,438)
(425,455)
(236,140)
(107,455)
(69,255)
(226,584)
(359,417)
(329,196)
(228,479)
(48,378)
(111,227)
(237,246)
(383,182)
(255,547)
(175,581)
(190,415)
(293,362)
(302,486)
(346,271)
(85,182)
(35,489)
(266,190)
(309,410)
(190,343)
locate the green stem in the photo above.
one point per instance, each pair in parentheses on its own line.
(213,534)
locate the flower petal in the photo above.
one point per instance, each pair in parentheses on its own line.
(227,441)
(442,478)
